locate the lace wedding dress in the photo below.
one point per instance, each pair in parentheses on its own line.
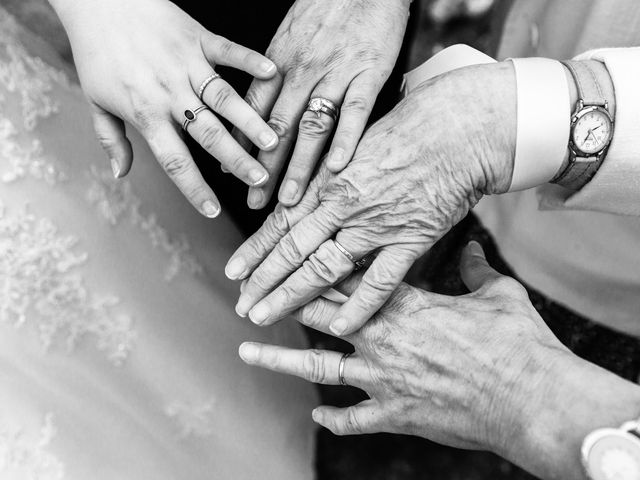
(118,339)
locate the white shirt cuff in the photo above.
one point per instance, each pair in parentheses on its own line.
(543,121)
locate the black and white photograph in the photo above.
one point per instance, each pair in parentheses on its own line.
(319,240)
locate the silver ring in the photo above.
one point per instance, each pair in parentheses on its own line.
(344,251)
(205,84)
(191,115)
(343,360)
(319,105)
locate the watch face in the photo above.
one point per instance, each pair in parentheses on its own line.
(592,131)
(612,454)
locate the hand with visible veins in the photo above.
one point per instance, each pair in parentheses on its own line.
(415,174)
(478,371)
(339,50)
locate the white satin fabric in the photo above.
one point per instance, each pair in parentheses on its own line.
(118,338)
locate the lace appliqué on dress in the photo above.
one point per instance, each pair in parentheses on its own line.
(192,420)
(40,284)
(29,79)
(28,458)
(115,201)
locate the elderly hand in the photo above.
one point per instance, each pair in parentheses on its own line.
(144,62)
(339,50)
(416,173)
(480,371)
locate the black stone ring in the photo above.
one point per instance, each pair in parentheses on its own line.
(191,115)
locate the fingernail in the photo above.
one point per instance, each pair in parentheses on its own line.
(315,415)
(115,167)
(475,248)
(210,209)
(260,313)
(267,66)
(338,326)
(268,139)
(248,352)
(289,191)
(336,158)
(255,198)
(224,169)
(258,177)
(235,268)
(239,311)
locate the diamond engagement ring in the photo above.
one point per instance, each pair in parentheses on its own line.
(319,105)
(205,84)
(191,115)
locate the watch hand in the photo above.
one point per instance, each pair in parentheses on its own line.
(587,137)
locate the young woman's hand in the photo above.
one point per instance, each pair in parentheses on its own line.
(144,62)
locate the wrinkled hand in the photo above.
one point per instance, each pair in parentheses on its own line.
(455,370)
(143,62)
(340,50)
(415,174)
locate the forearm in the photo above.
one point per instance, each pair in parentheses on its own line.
(579,397)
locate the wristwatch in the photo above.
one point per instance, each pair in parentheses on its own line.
(613,453)
(591,129)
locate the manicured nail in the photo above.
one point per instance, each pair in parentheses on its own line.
(338,326)
(267,66)
(258,177)
(235,268)
(210,209)
(260,313)
(315,415)
(268,139)
(336,158)
(255,199)
(248,352)
(115,167)
(289,191)
(475,248)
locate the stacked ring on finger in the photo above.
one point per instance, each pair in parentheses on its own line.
(205,83)
(192,115)
(319,105)
(359,264)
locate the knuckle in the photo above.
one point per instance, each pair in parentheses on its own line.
(357,104)
(211,136)
(312,126)
(227,48)
(321,269)
(290,251)
(314,366)
(352,423)
(280,125)
(310,314)
(260,280)
(221,98)
(235,164)
(280,222)
(175,165)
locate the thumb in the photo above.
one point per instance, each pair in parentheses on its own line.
(111,134)
(474,268)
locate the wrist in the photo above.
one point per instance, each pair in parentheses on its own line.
(575,398)
(605,82)
(466,128)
